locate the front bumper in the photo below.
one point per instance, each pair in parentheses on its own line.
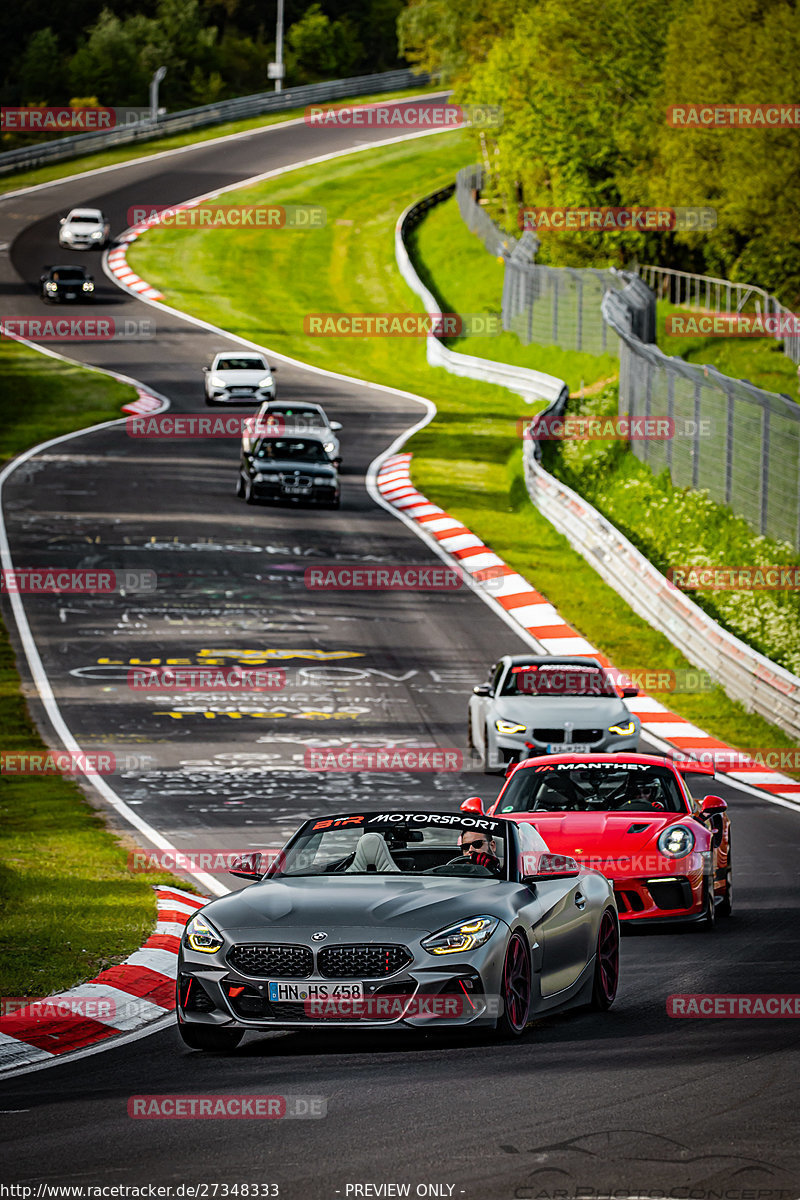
(315,495)
(667,891)
(424,995)
(227,396)
(518,746)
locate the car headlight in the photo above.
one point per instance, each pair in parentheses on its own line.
(509,726)
(321,480)
(97,233)
(88,287)
(329,447)
(676,841)
(217,381)
(624,730)
(258,478)
(467,935)
(266,382)
(202,936)
(51,287)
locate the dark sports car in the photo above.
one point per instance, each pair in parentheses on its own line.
(393,919)
(66,283)
(635,818)
(289,467)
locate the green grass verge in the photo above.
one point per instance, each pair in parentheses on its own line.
(465,279)
(143,149)
(760,360)
(43,397)
(468,460)
(70,906)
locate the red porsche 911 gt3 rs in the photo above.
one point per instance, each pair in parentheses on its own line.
(632,817)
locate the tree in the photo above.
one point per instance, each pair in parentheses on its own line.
(318,48)
(41,75)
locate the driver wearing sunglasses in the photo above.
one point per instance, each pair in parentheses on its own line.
(478,849)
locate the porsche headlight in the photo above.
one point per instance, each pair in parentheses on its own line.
(201,935)
(625,730)
(676,841)
(88,286)
(456,939)
(51,287)
(509,726)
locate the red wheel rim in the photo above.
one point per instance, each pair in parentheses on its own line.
(608,956)
(516,985)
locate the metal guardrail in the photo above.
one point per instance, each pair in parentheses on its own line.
(208,114)
(706,293)
(758,683)
(531,385)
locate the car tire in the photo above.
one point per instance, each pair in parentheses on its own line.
(249,498)
(240,487)
(709,918)
(209,1037)
(725,906)
(606,964)
(515,988)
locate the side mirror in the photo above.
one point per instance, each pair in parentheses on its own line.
(473,804)
(483,689)
(63,221)
(712,805)
(272,370)
(336,426)
(548,866)
(630,691)
(206,370)
(247,866)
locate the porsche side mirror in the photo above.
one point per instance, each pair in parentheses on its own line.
(548,866)
(483,689)
(712,805)
(336,426)
(247,866)
(473,804)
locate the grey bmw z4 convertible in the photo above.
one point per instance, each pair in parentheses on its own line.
(403,920)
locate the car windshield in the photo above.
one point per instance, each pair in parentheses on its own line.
(305,417)
(241,364)
(271,449)
(67,274)
(85,218)
(394,844)
(554,679)
(592,787)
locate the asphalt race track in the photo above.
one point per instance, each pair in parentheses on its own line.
(632,1103)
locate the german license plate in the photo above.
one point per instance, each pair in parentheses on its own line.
(297,491)
(568,748)
(285,991)
(70,295)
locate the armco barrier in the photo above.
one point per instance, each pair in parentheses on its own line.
(760,684)
(208,114)
(531,385)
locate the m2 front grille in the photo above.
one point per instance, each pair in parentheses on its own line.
(272,960)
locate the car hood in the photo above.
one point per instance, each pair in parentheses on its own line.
(608,834)
(82,226)
(243,378)
(583,711)
(376,907)
(291,464)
